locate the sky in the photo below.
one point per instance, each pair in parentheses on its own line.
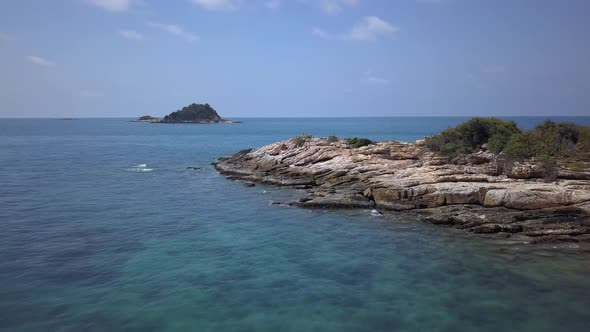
(295,58)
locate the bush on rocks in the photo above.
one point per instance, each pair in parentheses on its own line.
(546,142)
(468,137)
(301,139)
(357,142)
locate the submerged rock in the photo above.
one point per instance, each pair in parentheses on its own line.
(470,193)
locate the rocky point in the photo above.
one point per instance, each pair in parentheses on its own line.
(479,193)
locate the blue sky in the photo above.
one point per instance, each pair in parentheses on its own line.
(278,58)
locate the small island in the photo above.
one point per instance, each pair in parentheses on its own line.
(194,113)
(148,118)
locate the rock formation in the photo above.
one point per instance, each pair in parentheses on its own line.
(479,192)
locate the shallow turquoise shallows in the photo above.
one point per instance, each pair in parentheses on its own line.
(105,229)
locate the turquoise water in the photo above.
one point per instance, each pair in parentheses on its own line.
(93,241)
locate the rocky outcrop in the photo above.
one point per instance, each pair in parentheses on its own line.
(479,193)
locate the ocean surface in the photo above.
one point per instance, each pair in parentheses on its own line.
(103,228)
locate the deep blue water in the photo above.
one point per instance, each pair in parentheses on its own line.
(91,241)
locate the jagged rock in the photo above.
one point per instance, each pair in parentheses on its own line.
(478,193)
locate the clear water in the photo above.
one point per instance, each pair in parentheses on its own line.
(92,242)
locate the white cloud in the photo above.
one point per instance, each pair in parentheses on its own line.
(494,69)
(40,61)
(176,30)
(131,34)
(91,94)
(217,5)
(370,78)
(332,7)
(372,27)
(321,33)
(117,6)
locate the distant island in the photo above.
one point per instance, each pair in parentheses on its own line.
(148,118)
(194,113)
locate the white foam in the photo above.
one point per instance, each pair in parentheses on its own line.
(137,169)
(141,165)
(376,213)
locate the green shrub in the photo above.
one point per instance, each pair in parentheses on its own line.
(553,139)
(332,139)
(300,140)
(520,146)
(469,136)
(357,142)
(497,143)
(547,142)
(583,143)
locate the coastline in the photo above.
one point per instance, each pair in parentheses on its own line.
(471,194)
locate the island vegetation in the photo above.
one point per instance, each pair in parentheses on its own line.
(193,113)
(148,118)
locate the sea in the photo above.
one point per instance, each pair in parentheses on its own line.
(104,227)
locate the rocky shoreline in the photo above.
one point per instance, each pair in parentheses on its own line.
(479,193)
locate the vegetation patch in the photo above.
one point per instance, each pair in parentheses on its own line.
(332,139)
(468,137)
(547,142)
(357,142)
(147,118)
(193,113)
(301,139)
